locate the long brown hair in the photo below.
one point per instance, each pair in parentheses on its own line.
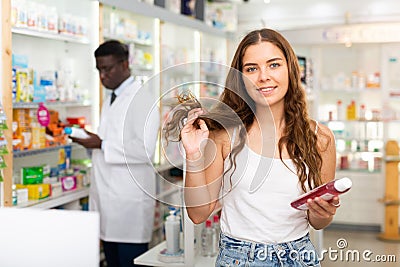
(298,135)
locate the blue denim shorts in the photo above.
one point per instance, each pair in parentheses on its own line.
(240,253)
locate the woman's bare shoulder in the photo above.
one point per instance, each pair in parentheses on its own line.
(325,136)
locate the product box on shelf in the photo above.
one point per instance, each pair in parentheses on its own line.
(36,191)
(82,169)
(22,134)
(68,183)
(22,195)
(56,189)
(64,158)
(32,175)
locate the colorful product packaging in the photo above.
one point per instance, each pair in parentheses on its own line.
(32,175)
(36,191)
(68,183)
(56,189)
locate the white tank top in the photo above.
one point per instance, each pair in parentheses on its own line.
(257,208)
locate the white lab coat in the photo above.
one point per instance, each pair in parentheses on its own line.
(123,178)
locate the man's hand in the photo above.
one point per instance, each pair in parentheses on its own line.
(93,141)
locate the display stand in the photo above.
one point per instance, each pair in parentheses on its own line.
(391,199)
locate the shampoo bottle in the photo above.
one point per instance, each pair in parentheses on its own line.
(326,191)
(216,225)
(76,132)
(172,231)
(208,240)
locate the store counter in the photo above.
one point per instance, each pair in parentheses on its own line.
(150,258)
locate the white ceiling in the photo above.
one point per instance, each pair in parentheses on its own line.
(293,14)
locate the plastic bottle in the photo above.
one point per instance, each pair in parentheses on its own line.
(76,132)
(43,115)
(326,191)
(208,240)
(216,225)
(362,113)
(352,111)
(340,111)
(172,231)
(14,195)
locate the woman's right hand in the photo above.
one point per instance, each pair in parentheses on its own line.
(192,137)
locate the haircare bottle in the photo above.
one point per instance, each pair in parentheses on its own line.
(208,240)
(326,191)
(76,132)
(172,231)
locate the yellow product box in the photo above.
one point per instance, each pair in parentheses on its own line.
(36,191)
(22,77)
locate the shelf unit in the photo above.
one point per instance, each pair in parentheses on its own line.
(71,196)
(349,66)
(141,35)
(214,65)
(159,21)
(71,47)
(181,63)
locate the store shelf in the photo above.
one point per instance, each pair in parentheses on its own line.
(144,9)
(392,158)
(53,104)
(142,67)
(150,258)
(124,39)
(351,90)
(351,121)
(370,153)
(358,171)
(50,35)
(31,152)
(52,202)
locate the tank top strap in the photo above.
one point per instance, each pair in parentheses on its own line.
(316,127)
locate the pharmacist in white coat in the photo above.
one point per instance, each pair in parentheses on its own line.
(123,178)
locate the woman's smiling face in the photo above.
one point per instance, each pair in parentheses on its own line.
(265,74)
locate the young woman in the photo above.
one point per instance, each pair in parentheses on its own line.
(255,152)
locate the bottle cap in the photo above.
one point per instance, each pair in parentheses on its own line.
(208,223)
(342,184)
(171,216)
(67,130)
(216,219)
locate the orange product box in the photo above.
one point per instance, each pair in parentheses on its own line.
(21,128)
